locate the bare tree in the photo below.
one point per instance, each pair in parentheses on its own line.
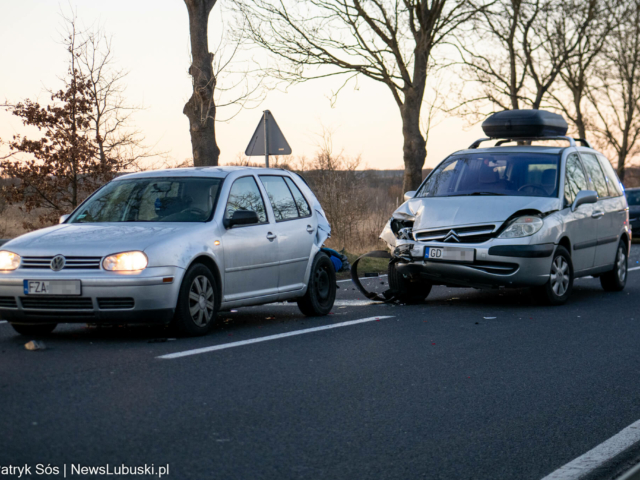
(579,72)
(518,48)
(201,109)
(616,97)
(389,41)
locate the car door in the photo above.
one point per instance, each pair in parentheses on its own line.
(250,251)
(580,225)
(295,227)
(606,210)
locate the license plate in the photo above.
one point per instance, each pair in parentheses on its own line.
(450,254)
(52,287)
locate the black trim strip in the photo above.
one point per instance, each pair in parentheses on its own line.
(523,251)
(604,241)
(589,244)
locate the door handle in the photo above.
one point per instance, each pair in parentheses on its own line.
(271,237)
(597,214)
(310,229)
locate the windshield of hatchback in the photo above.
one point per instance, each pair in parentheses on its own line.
(633,197)
(151,200)
(512,174)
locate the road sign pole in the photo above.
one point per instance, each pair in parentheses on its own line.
(266,140)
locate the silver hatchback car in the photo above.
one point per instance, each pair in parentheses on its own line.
(172,245)
(513,216)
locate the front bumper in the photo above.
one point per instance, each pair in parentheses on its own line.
(496,264)
(147,297)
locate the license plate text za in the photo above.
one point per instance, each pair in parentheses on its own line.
(38,287)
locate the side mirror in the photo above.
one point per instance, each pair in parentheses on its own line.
(584,196)
(409,195)
(63,218)
(242,217)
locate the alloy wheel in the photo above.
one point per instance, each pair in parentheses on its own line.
(621,265)
(560,276)
(201,301)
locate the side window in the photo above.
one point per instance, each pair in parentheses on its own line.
(284,206)
(595,172)
(245,195)
(615,190)
(301,202)
(574,178)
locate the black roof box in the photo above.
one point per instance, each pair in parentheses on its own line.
(525,124)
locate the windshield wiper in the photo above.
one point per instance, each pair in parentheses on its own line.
(477,193)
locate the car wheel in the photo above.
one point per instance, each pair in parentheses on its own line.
(321,291)
(34,330)
(616,279)
(558,289)
(405,290)
(198,302)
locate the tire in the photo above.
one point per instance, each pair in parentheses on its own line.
(558,289)
(616,279)
(198,302)
(405,290)
(321,291)
(34,330)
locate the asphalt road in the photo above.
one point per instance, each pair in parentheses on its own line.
(471,385)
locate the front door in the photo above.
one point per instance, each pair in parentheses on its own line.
(250,251)
(296,228)
(580,225)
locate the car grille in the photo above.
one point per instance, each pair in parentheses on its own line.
(57,303)
(116,303)
(471,234)
(8,302)
(72,263)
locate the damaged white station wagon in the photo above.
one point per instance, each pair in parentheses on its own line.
(513,216)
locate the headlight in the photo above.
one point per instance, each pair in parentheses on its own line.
(522,227)
(9,260)
(125,262)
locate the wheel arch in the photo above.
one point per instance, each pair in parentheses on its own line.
(210,263)
(566,243)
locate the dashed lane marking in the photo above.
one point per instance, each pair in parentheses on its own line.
(242,343)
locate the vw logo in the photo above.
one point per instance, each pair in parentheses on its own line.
(58,262)
(452,236)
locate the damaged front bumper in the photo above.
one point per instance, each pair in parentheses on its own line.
(491,264)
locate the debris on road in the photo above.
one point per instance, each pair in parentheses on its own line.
(35,345)
(489,318)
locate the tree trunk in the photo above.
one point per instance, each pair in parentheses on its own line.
(414,147)
(622,157)
(200,109)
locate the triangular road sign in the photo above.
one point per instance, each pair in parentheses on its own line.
(275,139)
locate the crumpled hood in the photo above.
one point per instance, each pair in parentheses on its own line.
(93,239)
(442,212)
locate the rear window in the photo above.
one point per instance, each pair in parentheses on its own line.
(511,174)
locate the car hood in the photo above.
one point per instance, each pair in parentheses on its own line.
(442,212)
(93,239)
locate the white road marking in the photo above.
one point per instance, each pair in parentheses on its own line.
(3,321)
(595,457)
(269,337)
(632,269)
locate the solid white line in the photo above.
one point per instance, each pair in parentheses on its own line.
(632,269)
(363,278)
(595,457)
(267,338)
(3,321)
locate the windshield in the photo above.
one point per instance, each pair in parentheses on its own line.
(151,200)
(513,174)
(633,197)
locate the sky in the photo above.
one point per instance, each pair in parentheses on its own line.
(151,42)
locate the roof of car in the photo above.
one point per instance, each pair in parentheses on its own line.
(513,149)
(215,172)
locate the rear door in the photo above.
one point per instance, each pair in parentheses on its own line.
(580,225)
(250,251)
(608,211)
(295,226)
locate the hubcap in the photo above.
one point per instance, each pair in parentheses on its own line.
(621,264)
(322,284)
(201,301)
(560,276)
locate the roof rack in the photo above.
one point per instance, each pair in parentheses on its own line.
(571,141)
(583,142)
